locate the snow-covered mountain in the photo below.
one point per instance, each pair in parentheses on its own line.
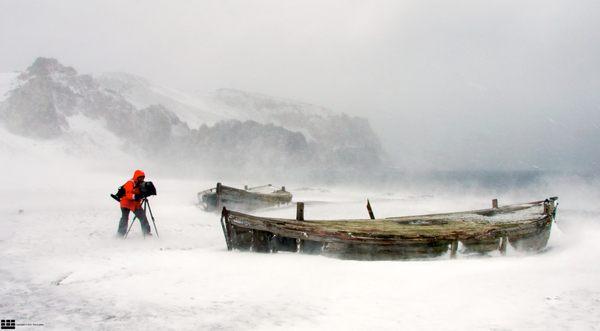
(7,79)
(142,93)
(316,123)
(227,130)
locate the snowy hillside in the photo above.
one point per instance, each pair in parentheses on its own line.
(264,108)
(226,132)
(8,80)
(317,124)
(142,93)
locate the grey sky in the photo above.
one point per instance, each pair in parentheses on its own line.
(447,84)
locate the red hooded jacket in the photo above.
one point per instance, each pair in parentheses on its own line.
(131,189)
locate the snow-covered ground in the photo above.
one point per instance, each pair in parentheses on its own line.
(62,266)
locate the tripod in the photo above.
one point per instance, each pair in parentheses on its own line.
(145,206)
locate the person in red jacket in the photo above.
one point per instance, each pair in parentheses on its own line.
(132,201)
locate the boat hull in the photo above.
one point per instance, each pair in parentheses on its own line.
(239,199)
(414,237)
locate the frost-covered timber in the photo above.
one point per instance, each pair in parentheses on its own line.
(525,227)
(244,199)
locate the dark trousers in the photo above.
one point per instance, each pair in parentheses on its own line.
(141,216)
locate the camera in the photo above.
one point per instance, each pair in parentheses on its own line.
(147,189)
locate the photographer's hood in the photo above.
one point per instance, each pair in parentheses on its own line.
(137,174)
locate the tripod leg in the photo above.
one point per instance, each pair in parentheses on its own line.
(152,217)
(130,226)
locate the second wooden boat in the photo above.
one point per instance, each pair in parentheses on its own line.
(246,199)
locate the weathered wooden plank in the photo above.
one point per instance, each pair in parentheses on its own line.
(481,246)
(284,244)
(261,241)
(370,210)
(503,245)
(300,211)
(311,247)
(224,226)
(453,248)
(532,241)
(241,238)
(385,252)
(219,193)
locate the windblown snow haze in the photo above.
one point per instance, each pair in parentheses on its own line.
(419,107)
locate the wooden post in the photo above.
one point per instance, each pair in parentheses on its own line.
(246,187)
(219,201)
(503,241)
(300,211)
(453,249)
(299,245)
(371,215)
(225,227)
(495,203)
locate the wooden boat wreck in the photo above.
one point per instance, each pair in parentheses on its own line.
(243,199)
(525,227)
